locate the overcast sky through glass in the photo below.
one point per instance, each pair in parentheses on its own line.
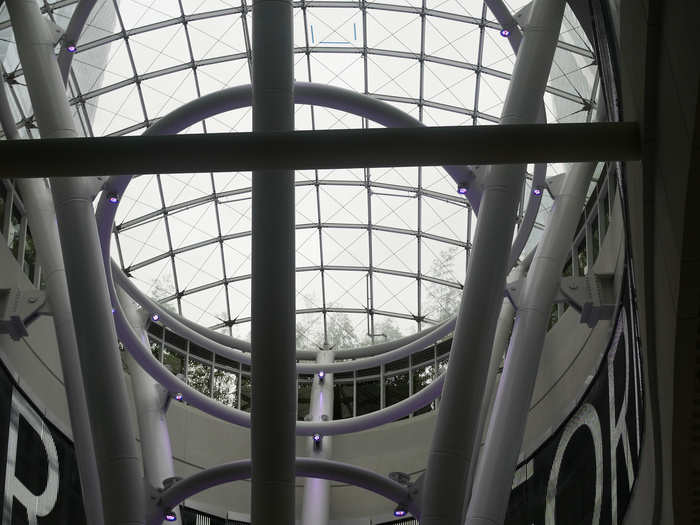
(379,252)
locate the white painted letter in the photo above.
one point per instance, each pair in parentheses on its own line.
(35,504)
(586,415)
(618,427)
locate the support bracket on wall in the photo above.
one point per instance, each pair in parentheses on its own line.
(574,291)
(18,309)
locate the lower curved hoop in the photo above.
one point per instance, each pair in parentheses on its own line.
(305,467)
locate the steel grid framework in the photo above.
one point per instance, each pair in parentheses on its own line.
(81,95)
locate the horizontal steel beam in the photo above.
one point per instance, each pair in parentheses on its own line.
(350,148)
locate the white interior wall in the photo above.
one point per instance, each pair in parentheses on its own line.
(571,357)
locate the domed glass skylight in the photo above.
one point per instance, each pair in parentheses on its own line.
(380,252)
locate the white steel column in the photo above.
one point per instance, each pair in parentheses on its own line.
(317,492)
(494,477)
(105,391)
(457,421)
(36,196)
(504,328)
(149,399)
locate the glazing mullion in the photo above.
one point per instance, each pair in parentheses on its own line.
(26,121)
(246,36)
(227,321)
(419,240)
(593,100)
(370,258)
(479,62)
(316,181)
(368,183)
(321,260)
(81,103)
(189,47)
(223,257)
(119,247)
(170,245)
(133,65)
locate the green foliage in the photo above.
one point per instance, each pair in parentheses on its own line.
(199,376)
(225,387)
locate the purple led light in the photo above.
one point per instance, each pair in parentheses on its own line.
(113,198)
(71,48)
(155,317)
(505,32)
(170,516)
(317,437)
(537,191)
(399,513)
(113,310)
(321,374)
(178,396)
(462,190)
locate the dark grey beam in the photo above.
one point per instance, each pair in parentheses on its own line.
(273,412)
(350,148)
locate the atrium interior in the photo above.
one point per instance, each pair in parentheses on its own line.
(337,262)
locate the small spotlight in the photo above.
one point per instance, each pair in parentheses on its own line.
(537,191)
(170,516)
(155,317)
(462,188)
(178,397)
(113,310)
(71,48)
(505,32)
(316,437)
(321,376)
(399,512)
(113,198)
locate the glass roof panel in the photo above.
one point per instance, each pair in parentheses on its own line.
(452,39)
(380,252)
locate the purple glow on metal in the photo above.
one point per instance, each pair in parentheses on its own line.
(113,310)
(537,191)
(505,32)
(462,190)
(155,317)
(321,374)
(170,516)
(178,397)
(317,437)
(71,48)
(113,198)
(399,513)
